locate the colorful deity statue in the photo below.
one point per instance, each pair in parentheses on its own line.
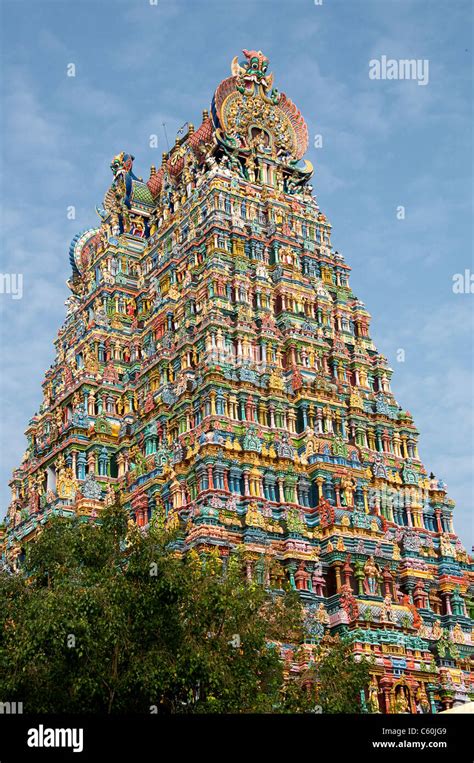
(254,517)
(386,612)
(402,704)
(318,579)
(322,615)
(373,696)
(372,577)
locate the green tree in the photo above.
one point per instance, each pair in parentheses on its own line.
(106,619)
(340,678)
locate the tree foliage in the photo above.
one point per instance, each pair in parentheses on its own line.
(339,677)
(105,619)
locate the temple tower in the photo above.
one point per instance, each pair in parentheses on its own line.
(216,370)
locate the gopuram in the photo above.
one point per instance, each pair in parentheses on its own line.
(216,371)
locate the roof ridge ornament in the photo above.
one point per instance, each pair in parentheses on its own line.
(251,75)
(251,118)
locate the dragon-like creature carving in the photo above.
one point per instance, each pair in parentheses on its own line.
(252,75)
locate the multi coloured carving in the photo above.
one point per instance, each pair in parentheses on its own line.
(215,372)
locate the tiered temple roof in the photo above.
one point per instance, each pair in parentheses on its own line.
(215,371)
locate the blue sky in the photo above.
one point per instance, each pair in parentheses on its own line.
(385,144)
